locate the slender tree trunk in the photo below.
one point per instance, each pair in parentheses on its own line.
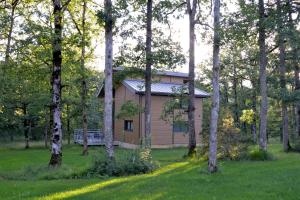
(10,31)
(108,99)
(147,143)
(191,107)
(46,130)
(26,126)
(253,125)
(212,162)
(56,149)
(262,78)
(83,85)
(236,107)
(285,133)
(295,63)
(68,124)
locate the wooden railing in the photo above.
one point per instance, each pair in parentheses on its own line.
(95,137)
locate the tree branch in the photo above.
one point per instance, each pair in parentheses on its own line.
(73,20)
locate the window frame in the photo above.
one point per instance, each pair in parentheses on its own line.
(128,125)
(183,128)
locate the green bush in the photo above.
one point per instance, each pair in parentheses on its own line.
(232,145)
(259,155)
(138,162)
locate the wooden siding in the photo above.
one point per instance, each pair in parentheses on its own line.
(162,131)
(121,96)
(169,79)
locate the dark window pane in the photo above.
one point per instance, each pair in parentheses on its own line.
(128,125)
(180,127)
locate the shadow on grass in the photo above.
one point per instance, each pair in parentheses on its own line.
(115,182)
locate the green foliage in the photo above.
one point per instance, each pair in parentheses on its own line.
(259,155)
(248,116)
(138,162)
(231,144)
(129,109)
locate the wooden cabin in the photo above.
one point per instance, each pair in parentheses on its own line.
(128,132)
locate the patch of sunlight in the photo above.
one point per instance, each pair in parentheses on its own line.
(97,186)
(168,168)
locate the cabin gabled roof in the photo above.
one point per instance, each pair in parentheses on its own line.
(162,88)
(161,73)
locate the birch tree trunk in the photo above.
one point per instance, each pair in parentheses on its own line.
(212,162)
(262,77)
(108,99)
(83,84)
(281,38)
(147,143)
(191,9)
(56,149)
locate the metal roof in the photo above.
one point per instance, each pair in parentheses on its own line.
(162,73)
(162,88)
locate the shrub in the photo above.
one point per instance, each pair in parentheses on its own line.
(259,155)
(138,162)
(231,144)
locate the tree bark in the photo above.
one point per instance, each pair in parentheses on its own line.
(83,85)
(26,126)
(191,84)
(147,143)
(262,77)
(56,149)
(212,162)
(236,106)
(281,38)
(10,31)
(295,63)
(108,99)
(68,124)
(46,130)
(253,125)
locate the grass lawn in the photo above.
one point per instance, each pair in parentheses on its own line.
(176,179)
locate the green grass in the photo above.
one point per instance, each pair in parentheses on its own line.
(176,179)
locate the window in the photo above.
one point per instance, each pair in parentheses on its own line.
(128,125)
(180,127)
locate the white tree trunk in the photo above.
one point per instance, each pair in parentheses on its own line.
(191,107)
(56,157)
(108,99)
(213,142)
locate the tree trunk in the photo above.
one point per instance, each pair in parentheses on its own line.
(56,149)
(83,85)
(281,36)
(26,126)
(10,31)
(236,108)
(253,125)
(212,162)
(262,78)
(295,63)
(108,99)
(68,124)
(46,130)
(191,107)
(147,143)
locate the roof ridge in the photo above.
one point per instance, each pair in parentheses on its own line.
(155,82)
